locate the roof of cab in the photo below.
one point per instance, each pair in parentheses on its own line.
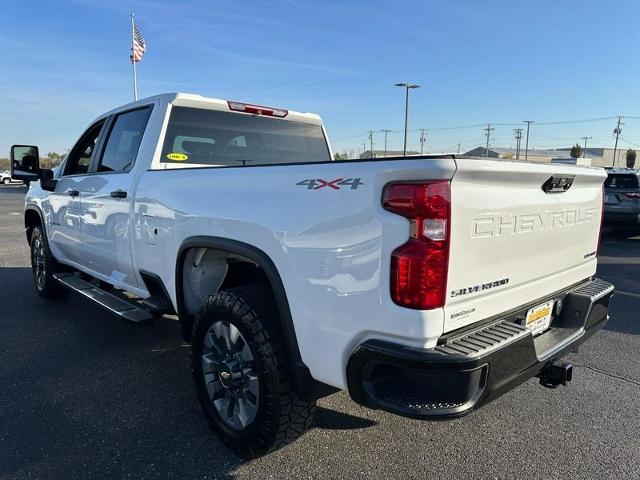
(198,101)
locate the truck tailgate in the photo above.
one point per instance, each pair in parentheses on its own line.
(512,242)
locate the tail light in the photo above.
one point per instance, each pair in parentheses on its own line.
(419,267)
(257,109)
(601,222)
(632,194)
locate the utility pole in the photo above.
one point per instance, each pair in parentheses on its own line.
(407,87)
(458,148)
(518,135)
(422,140)
(489,129)
(526,148)
(584,151)
(385,141)
(371,142)
(617,131)
(364,147)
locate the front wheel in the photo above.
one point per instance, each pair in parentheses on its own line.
(43,266)
(240,370)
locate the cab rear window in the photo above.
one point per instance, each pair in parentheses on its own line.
(622,181)
(223,139)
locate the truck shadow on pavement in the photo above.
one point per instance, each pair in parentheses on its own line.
(85,394)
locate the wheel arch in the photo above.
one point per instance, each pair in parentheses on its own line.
(304,384)
(32,218)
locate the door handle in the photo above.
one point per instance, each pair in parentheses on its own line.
(119,194)
(72,193)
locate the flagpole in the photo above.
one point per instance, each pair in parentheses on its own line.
(133,62)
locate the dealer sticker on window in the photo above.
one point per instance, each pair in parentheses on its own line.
(538,318)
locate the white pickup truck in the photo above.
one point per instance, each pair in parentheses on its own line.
(425,286)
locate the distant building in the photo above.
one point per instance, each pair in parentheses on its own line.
(598,157)
(603,157)
(390,153)
(482,152)
(581,161)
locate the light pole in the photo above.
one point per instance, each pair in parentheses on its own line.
(407,87)
(526,148)
(385,141)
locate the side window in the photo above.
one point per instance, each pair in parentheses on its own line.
(124,140)
(80,155)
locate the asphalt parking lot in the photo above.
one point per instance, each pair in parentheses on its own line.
(85,395)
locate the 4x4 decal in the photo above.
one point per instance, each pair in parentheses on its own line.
(318,183)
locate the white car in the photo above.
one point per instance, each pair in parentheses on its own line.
(5,178)
(426,286)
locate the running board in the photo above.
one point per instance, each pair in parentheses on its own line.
(121,307)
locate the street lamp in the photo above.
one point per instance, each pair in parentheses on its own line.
(406,86)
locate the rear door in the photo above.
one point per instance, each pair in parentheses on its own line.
(106,226)
(512,242)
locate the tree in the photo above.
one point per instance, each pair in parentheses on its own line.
(631,158)
(576,151)
(54,159)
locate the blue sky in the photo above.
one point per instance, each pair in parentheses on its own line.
(65,62)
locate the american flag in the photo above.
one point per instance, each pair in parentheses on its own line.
(139,47)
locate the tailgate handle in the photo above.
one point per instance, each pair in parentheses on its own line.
(558,184)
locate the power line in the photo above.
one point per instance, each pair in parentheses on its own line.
(586,120)
(630,143)
(476,125)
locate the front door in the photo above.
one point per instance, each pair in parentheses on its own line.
(106,225)
(65,209)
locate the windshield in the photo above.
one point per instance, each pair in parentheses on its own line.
(215,138)
(621,181)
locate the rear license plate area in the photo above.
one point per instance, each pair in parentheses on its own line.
(538,318)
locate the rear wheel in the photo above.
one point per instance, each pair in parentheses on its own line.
(43,266)
(240,370)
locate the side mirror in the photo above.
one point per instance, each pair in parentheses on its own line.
(25,163)
(47,182)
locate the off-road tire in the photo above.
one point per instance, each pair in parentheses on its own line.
(46,286)
(281,416)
